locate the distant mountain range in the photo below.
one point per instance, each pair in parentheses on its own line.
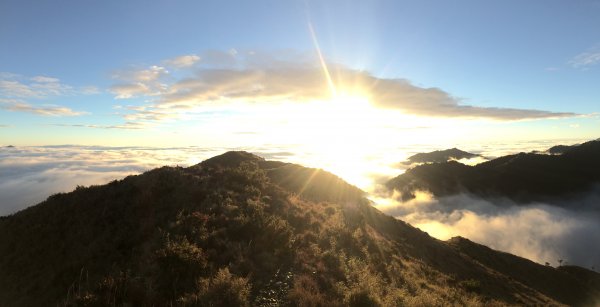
(439,156)
(237,230)
(523,177)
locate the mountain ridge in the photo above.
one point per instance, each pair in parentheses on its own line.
(522,177)
(438,156)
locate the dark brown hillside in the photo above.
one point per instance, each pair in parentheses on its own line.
(237,230)
(547,280)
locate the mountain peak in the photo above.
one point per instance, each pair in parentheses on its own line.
(439,156)
(231,159)
(523,177)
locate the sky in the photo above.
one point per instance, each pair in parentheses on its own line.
(317,73)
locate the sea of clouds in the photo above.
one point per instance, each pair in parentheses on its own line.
(542,232)
(28,175)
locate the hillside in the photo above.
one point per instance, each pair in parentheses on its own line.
(238,230)
(523,177)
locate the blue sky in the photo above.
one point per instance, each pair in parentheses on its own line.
(65,66)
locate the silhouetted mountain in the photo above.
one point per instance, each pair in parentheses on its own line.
(236,230)
(440,156)
(522,177)
(559,149)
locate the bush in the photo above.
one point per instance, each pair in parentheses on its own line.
(471,285)
(224,289)
(179,264)
(306,292)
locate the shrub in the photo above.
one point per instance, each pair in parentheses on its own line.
(224,289)
(471,285)
(306,292)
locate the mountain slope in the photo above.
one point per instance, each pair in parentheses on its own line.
(239,230)
(523,177)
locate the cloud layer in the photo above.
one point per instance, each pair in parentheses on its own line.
(28,175)
(217,78)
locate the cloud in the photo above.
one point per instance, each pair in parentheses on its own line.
(183,61)
(401,94)
(17,94)
(540,232)
(255,77)
(16,89)
(44,79)
(90,90)
(586,59)
(12,85)
(126,126)
(44,110)
(28,175)
(139,82)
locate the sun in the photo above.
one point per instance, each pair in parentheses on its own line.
(339,131)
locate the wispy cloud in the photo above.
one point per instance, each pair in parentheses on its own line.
(139,82)
(12,85)
(44,79)
(16,105)
(586,59)
(183,61)
(17,94)
(253,77)
(126,126)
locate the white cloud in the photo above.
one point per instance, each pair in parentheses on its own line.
(13,85)
(540,232)
(44,79)
(254,77)
(90,90)
(126,126)
(125,91)
(183,61)
(28,175)
(139,82)
(11,88)
(44,110)
(586,59)
(18,93)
